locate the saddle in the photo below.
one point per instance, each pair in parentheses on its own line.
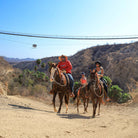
(67,78)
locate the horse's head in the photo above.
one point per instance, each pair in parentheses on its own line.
(54,70)
(93,77)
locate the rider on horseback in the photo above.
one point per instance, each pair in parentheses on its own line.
(83,79)
(100,72)
(65,66)
(83,82)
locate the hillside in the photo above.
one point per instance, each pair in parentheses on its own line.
(120,62)
(5,69)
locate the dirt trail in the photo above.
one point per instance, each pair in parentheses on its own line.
(25,118)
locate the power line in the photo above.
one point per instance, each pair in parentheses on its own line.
(69,37)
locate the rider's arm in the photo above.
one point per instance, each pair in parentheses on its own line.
(98,77)
(93,70)
(86,80)
(58,65)
(102,72)
(69,66)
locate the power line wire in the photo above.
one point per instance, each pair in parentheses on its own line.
(69,37)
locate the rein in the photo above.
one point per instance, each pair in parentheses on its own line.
(97,89)
(62,85)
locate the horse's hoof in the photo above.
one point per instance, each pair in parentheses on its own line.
(98,114)
(55,110)
(84,112)
(93,116)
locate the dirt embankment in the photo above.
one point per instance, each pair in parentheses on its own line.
(24,118)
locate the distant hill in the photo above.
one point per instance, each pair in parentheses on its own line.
(15,60)
(120,62)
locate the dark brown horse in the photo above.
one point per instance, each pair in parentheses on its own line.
(96,92)
(82,95)
(59,86)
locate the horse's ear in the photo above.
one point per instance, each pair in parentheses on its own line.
(50,63)
(90,71)
(56,64)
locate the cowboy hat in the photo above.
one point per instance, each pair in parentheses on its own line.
(60,57)
(98,62)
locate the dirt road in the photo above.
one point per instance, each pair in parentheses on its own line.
(25,118)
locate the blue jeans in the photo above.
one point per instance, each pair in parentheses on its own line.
(71,82)
(105,85)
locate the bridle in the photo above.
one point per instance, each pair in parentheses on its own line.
(58,83)
(93,83)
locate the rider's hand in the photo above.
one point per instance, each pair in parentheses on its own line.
(64,71)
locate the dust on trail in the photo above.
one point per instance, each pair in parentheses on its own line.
(25,118)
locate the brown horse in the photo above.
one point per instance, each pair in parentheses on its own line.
(82,95)
(59,86)
(96,92)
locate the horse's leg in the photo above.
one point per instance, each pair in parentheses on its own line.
(78,100)
(93,103)
(94,106)
(84,101)
(99,109)
(87,105)
(96,103)
(54,96)
(100,101)
(93,110)
(66,101)
(61,101)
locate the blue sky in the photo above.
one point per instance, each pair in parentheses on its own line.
(63,17)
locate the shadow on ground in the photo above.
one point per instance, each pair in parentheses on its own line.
(27,108)
(73,116)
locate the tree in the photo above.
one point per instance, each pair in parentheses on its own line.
(43,65)
(35,68)
(38,62)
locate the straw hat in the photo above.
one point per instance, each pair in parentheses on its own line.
(60,57)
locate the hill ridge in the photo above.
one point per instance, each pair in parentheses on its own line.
(120,62)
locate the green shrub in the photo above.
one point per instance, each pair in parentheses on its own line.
(125,97)
(115,93)
(76,85)
(108,80)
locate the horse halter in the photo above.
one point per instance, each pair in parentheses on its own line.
(93,82)
(52,76)
(52,73)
